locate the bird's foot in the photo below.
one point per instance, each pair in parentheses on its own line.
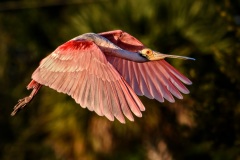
(21,104)
(35,86)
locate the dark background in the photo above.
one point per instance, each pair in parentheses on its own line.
(204,125)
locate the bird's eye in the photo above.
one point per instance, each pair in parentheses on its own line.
(148,52)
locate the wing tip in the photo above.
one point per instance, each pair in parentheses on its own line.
(172,100)
(121,120)
(187,81)
(185,90)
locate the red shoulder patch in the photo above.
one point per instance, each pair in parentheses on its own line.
(75,45)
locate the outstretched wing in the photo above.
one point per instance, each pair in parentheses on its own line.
(80,69)
(154,79)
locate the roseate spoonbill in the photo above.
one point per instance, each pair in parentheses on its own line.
(105,72)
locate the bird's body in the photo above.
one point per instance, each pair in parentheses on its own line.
(105,72)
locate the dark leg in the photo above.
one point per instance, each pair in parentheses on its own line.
(23,102)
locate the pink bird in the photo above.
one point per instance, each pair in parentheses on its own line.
(105,72)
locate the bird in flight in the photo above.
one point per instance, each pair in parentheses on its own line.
(105,72)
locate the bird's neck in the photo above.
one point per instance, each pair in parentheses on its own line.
(128,55)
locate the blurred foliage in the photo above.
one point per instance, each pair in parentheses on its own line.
(204,125)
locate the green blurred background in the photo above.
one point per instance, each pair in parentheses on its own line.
(204,125)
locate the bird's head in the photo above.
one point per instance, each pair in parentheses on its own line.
(150,54)
(153,55)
